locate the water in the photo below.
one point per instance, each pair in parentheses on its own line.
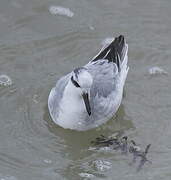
(37,47)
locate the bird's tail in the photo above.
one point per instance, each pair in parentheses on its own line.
(115,52)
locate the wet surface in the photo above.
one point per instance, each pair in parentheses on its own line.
(37,47)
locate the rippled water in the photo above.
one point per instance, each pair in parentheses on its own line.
(37,47)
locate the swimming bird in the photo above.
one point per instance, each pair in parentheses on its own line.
(90,95)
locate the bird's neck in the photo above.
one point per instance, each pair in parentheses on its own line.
(72,108)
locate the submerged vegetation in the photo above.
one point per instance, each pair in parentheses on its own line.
(125,146)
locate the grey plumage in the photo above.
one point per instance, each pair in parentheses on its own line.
(108,70)
(57,94)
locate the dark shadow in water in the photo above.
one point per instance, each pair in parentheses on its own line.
(81,139)
(76,144)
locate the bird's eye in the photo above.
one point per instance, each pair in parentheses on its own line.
(74,82)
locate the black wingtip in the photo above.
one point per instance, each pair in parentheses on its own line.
(114,51)
(119,43)
(121,38)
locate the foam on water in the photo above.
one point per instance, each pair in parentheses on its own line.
(102,165)
(156,70)
(5,80)
(59,10)
(47,161)
(86,175)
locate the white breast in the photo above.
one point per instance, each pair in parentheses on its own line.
(72,112)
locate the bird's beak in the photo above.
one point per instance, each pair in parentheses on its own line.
(87,103)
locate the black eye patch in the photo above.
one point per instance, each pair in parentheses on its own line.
(74,82)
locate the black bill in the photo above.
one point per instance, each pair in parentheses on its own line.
(87,103)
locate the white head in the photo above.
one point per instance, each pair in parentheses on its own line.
(83,80)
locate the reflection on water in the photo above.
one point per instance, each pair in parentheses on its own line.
(80,140)
(37,48)
(77,144)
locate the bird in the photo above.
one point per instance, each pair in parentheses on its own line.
(90,95)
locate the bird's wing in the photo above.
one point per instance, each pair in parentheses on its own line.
(109,70)
(103,91)
(56,95)
(105,75)
(114,52)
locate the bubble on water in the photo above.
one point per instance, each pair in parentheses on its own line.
(156,70)
(86,175)
(59,10)
(91,27)
(47,161)
(102,165)
(5,80)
